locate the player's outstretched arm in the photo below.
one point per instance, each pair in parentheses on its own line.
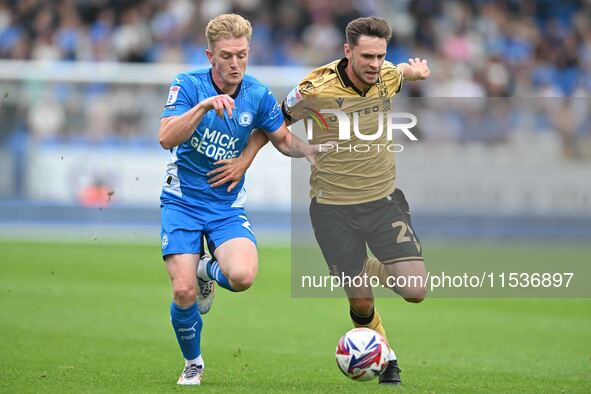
(415,70)
(232,170)
(291,145)
(174,130)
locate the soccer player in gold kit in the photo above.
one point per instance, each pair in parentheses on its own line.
(354,201)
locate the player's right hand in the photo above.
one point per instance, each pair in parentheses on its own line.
(420,68)
(219,104)
(230,170)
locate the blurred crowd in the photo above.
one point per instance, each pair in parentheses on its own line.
(480,47)
(477,48)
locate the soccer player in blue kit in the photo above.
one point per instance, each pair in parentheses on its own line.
(209,116)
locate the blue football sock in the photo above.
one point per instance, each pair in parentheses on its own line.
(187,326)
(215,272)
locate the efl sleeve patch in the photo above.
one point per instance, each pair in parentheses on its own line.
(182,96)
(173,93)
(292,99)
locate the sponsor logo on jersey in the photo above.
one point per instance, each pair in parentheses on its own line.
(216,145)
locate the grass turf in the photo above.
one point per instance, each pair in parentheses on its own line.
(79,318)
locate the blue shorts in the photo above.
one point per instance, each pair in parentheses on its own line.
(183,228)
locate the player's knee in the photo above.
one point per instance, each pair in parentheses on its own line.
(184,294)
(414,294)
(362,306)
(243,279)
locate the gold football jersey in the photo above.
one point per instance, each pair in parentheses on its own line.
(358,170)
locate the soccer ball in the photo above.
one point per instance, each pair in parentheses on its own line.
(362,354)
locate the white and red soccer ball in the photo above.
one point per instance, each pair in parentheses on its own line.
(362,354)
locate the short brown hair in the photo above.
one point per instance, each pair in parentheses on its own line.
(227,26)
(371,26)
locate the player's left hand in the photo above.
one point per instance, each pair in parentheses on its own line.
(230,170)
(311,153)
(314,150)
(420,68)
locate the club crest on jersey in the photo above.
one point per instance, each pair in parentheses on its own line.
(382,89)
(164,241)
(173,94)
(245,119)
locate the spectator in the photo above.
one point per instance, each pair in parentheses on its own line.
(539,47)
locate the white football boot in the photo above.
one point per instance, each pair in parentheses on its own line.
(206,286)
(191,375)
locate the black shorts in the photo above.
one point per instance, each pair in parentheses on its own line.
(343,231)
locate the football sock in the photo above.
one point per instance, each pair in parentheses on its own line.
(373,267)
(392,355)
(215,273)
(360,320)
(373,321)
(187,326)
(196,361)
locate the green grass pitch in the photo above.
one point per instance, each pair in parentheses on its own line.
(94,318)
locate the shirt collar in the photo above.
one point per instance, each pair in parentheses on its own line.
(345,80)
(219,91)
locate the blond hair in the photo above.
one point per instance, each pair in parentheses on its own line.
(227,26)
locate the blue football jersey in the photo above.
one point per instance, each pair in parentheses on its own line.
(214,138)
